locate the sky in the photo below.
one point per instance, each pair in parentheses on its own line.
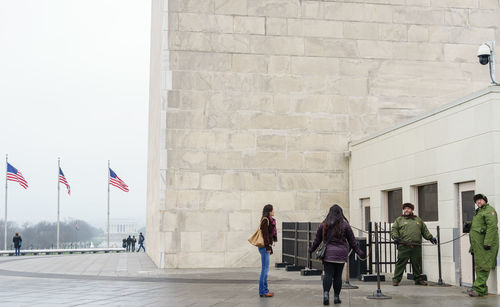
(74,84)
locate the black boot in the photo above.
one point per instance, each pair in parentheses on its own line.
(336,299)
(326,298)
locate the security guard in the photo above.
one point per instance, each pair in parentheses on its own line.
(407,232)
(483,238)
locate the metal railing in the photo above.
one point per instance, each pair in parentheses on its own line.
(62,251)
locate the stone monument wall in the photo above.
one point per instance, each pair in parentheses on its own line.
(255,101)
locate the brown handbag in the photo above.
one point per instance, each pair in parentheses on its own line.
(257,239)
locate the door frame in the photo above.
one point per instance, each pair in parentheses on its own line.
(364,202)
(462,187)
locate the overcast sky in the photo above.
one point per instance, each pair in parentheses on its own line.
(74,84)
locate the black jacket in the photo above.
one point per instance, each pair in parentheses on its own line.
(267,229)
(17,241)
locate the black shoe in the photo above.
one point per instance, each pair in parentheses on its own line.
(420,282)
(474,294)
(336,299)
(326,298)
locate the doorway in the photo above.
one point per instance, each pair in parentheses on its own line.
(466,212)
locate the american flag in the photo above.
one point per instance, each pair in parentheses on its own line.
(14,175)
(117,182)
(63,180)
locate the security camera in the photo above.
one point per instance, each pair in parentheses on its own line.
(483,53)
(486,55)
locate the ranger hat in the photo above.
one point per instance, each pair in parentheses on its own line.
(411,206)
(480,196)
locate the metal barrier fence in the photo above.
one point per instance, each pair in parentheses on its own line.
(297,237)
(388,254)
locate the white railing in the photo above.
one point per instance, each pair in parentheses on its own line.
(63,251)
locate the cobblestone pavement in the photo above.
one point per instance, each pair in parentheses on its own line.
(132,280)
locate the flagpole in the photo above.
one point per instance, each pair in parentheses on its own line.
(108,204)
(5,220)
(58,198)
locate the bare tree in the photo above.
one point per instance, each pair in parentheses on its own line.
(42,235)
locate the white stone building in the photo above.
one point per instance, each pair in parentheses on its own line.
(120,229)
(255,102)
(122,226)
(436,161)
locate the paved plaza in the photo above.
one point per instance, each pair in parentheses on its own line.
(131,279)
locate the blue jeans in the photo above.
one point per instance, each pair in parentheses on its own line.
(17,251)
(141,245)
(264,256)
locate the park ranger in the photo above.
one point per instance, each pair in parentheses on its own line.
(407,232)
(483,238)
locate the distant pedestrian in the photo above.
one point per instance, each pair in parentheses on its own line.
(336,233)
(129,243)
(17,244)
(141,243)
(124,244)
(133,243)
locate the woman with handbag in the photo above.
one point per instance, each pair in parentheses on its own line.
(267,229)
(333,241)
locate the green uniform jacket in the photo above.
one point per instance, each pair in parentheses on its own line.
(484,231)
(410,230)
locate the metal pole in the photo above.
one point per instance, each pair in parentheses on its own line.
(385,245)
(473,270)
(5,220)
(440,280)
(393,264)
(108,204)
(296,245)
(58,199)
(377,294)
(370,242)
(309,261)
(347,283)
(492,63)
(377,256)
(283,243)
